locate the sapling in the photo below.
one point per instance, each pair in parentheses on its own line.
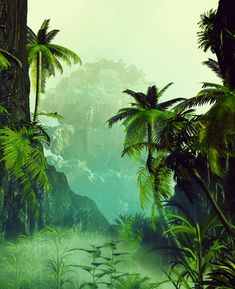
(56,263)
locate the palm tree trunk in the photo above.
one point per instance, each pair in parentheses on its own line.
(150,150)
(38,84)
(214,205)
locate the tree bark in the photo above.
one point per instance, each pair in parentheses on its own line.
(38,85)
(14,82)
(14,96)
(226,22)
(150,158)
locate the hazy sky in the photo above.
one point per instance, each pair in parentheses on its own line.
(157,36)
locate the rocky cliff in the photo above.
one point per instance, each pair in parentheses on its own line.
(63,207)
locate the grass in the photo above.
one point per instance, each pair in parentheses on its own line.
(56,258)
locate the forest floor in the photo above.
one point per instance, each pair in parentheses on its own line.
(66,259)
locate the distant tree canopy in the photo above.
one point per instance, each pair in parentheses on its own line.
(90,151)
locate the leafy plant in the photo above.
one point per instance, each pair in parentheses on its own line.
(222,274)
(111,263)
(23,157)
(196,250)
(102,266)
(94,268)
(56,263)
(135,281)
(13,263)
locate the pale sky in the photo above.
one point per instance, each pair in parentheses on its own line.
(157,36)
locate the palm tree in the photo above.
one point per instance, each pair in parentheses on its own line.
(182,148)
(218,129)
(44,58)
(208,37)
(141,118)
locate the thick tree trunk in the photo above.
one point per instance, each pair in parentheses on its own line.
(14,96)
(226,22)
(14,83)
(225,19)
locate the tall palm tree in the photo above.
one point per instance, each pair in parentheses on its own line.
(182,141)
(141,117)
(44,58)
(218,129)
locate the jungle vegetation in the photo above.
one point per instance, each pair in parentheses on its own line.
(175,146)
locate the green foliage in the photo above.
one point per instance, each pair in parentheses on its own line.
(94,268)
(13,263)
(102,269)
(135,282)
(196,250)
(143,122)
(223,273)
(145,111)
(214,66)
(23,157)
(217,132)
(6,59)
(130,229)
(56,263)
(44,58)
(209,36)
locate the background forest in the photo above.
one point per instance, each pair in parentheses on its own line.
(108,178)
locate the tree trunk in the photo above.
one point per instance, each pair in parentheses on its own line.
(150,158)
(219,213)
(14,96)
(38,85)
(226,22)
(14,82)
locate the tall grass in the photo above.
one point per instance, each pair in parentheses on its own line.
(50,259)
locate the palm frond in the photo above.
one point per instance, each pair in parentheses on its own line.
(214,66)
(146,187)
(42,32)
(31,36)
(137,147)
(163,180)
(45,24)
(124,113)
(206,96)
(152,96)
(51,35)
(214,86)
(136,127)
(167,104)
(64,54)
(139,97)
(164,89)
(209,36)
